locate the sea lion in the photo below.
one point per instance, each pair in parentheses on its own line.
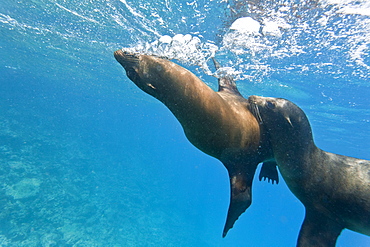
(218,123)
(334,189)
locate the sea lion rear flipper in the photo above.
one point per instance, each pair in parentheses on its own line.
(269,171)
(240,195)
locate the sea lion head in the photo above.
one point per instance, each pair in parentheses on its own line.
(147,72)
(278,110)
(284,121)
(130,62)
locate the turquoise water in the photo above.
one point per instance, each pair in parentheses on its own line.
(87,159)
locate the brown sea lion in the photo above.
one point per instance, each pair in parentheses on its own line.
(334,189)
(218,123)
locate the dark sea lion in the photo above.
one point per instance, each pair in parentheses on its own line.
(334,189)
(218,123)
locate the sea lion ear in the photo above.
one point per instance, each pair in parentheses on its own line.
(288,119)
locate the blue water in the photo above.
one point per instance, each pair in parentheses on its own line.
(87,159)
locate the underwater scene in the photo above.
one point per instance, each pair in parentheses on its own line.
(89,159)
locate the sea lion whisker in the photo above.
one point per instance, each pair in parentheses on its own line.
(256,113)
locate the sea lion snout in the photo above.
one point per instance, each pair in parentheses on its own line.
(254,101)
(126,59)
(262,101)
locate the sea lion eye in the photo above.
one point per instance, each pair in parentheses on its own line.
(270,105)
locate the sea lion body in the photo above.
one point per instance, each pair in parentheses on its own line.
(218,123)
(334,189)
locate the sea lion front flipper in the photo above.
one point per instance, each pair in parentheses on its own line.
(240,195)
(269,171)
(226,82)
(318,230)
